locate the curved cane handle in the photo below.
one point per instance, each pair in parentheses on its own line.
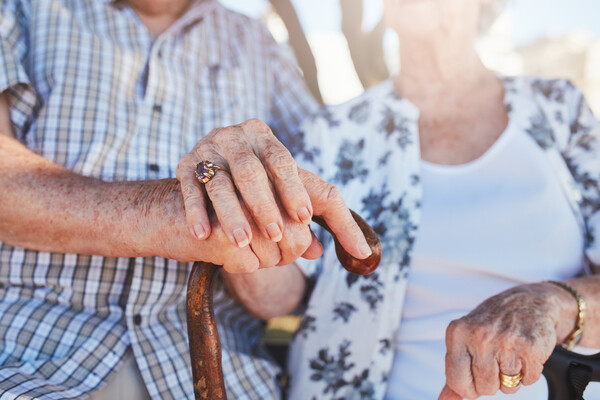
(567,372)
(205,347)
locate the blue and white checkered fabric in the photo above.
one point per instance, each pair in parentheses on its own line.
(91,90)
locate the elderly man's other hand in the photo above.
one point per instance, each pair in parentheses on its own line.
(511,333)
(168,235)
(267,179)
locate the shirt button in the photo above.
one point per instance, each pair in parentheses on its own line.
(137,319)
(157,108)
(153,167)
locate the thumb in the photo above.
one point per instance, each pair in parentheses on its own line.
(327,202)
(449,394)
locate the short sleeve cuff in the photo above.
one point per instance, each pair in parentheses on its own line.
(14,80)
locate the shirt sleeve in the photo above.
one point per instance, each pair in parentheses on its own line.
(14,50)
(582,155)
(291,101)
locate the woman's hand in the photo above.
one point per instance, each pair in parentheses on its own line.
(270,187)
(511,333)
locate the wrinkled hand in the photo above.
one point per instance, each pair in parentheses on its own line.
(267,180)
(254,158)
(169,237)
(514,331)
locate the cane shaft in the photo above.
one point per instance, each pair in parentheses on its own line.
(205,347)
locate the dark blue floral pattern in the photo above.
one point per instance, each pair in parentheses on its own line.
(299,147)
(541,131)
(330,369)
(350,163)
(360,112)
(343,311)
(307,324)
(396,126)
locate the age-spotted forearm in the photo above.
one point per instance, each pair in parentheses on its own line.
(46,207)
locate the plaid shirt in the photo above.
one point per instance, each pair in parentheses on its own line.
(91,90)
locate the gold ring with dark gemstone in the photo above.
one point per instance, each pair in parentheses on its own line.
(206,170)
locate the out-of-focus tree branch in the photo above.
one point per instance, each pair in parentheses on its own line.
(297,38)
(366,48)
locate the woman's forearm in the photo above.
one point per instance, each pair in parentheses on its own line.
(267,293)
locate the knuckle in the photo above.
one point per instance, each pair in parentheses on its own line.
(271,259)
(225,137)
(190,192)
(264,212)
(282,165)
(256,125)
(248,170)
(482,334)
(203,148)
(453,328)
(267,252)
(185,164)
(333,194)
(219,185)
(186,160)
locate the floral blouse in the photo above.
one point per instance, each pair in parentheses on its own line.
(369,148)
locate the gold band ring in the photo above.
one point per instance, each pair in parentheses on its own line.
(205,170)
(511,381)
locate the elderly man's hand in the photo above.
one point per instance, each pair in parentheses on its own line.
(264,174)
(511,333)
(165,233)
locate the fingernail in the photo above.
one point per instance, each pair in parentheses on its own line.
(274,232)
(304,215)
(199,231)
(241,238)
(364,249)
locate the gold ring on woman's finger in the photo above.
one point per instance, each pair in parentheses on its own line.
(205,170)
(511,381)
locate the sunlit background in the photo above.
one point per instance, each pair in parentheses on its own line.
(553,38)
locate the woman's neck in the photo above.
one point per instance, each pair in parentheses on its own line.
(438,66)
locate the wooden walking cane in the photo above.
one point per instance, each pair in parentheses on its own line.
(205,347)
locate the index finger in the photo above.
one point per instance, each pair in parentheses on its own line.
(459,375)
(327,202)
(449,394)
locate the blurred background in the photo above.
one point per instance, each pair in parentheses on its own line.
(342,48)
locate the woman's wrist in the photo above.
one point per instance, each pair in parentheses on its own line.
(574,337)
(568,310)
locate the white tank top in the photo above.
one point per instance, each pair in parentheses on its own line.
(488,225)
